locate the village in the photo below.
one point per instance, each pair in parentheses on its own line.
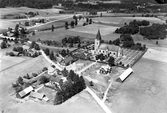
(69,59)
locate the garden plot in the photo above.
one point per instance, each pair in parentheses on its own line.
(93,28)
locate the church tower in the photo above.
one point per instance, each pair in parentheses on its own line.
(97,41)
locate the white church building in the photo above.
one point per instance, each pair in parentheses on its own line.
(106,49)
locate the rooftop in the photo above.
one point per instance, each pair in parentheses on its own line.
(109,47)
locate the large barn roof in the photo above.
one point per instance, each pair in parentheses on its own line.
(125,74)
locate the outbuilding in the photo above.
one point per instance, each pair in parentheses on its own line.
(25,92)
(124,75)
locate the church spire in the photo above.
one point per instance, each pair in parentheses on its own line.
(98,36)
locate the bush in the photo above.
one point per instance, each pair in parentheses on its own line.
(11,54)
(34,74)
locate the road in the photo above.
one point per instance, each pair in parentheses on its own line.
(98,100)
(103,106)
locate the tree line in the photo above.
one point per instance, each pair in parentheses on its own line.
(156,31)
(132,27)
(72,86)
(40,4)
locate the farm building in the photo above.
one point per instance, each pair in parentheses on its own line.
(124,75)
(25,92)
(105,69)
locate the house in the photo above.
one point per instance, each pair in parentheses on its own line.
(106,49)
(124,75)
(25,92)
(105,69)
(67,61)
(51,70)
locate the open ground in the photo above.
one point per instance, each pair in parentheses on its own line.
(81,103)
(145,90)
(10,75)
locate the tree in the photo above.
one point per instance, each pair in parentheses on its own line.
(72,24)
(157,42)
(91,83)
(76,21)
(47,51)
(51,56)
(66,25)
(65,72)
(3,45)
(34,74)
(43,80)
(16,32)
(52,28)
(36,46)
(20,80)
(111,61)
(90,21)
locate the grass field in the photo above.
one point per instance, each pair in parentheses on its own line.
(122,20)
(93,28)
(144,91)
(59,34)
(10,75)
(80,103)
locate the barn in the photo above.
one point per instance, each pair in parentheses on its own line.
(124,75)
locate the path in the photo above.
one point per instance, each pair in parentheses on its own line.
(103,106)
(50,61)
(106,92)
(79,72)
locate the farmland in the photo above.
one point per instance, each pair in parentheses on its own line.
(81,103)
(141,91)
(122,20)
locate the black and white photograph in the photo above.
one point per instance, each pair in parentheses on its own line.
(83,56)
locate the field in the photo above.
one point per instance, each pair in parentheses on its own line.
(144,91)
(59,34)
(93,28)
(10,75)
(4,11)
(121,20)
(81,103)
(43,13)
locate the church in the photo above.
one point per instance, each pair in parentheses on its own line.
(106,49)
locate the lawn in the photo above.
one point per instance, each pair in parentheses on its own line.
(144,91)
(80,103)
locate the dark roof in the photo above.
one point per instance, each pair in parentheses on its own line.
(68,59)
(98,36)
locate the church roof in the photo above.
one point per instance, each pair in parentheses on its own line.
(109,47)
(98,36)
